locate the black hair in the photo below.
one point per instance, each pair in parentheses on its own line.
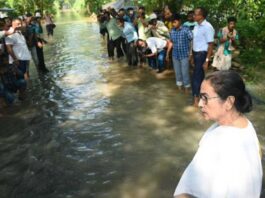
(141,8)
(140,48)
(130,8)
(203,11)
(107,14)
(231,18)
(7,18)
(176,17)
(28,15)
(34,18)
(102,17)
(2,25)
(113,12)
(152,22)
(229,83)
(122,9)
(139,40)
(159,14)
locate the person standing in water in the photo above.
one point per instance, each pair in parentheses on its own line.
(203,38)
(49,24)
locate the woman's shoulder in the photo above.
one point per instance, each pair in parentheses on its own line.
(233,136)
(222,132)
(210,135)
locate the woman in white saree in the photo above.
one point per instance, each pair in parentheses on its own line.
(228,161)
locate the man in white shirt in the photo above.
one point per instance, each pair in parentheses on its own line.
(17,49)
(160,51)
(203,38)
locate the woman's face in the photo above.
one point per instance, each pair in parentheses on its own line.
(211,105)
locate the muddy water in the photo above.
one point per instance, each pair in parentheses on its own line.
(95,128)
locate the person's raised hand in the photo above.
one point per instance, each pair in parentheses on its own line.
(10,31)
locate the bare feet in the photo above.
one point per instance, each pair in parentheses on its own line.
(26,76)
(180,88)
(187,90)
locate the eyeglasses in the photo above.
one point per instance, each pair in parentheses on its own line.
(205,98)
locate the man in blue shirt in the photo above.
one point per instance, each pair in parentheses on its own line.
(131,37)
(122,14)
(181,38)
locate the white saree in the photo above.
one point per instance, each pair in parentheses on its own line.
(226,165)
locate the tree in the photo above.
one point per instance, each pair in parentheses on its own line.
(95,6)
(23,6)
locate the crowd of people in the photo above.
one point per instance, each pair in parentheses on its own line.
(163,39)
(228,160)
(22,40)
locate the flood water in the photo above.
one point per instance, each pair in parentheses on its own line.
(92,128)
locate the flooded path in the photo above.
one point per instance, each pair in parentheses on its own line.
(94,128)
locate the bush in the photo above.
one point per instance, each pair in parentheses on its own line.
(252,41)
(252,56)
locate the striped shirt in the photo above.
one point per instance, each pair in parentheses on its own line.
(181,42)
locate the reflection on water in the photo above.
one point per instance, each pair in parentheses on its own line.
(92,128)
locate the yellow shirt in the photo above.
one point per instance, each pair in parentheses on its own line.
(168,25)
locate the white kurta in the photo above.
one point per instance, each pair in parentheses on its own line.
(226,165)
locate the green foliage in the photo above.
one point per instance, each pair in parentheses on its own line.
(158,5)
(252,56)
(53,6)
(2,3)
(79,5)
(22,6)
(95,5)
(252,38)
